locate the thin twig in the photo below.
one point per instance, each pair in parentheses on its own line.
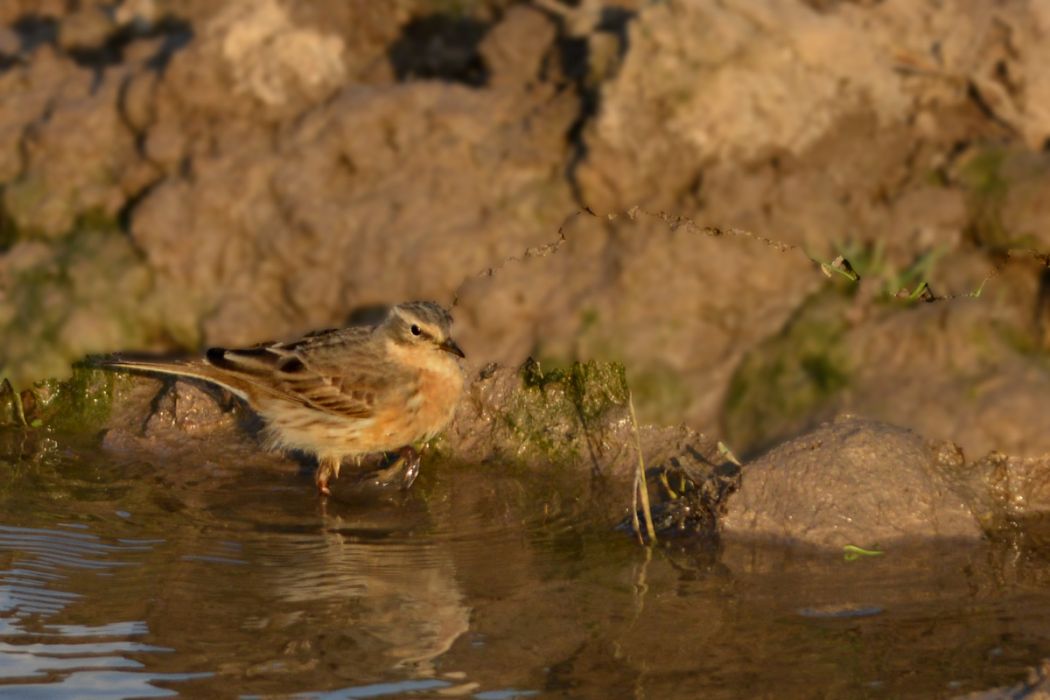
(675,222)
(641,489)
(16,401)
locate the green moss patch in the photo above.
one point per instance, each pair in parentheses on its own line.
(86,293)
(660,394)
(81,403)
(782,383)
(556,407)
(988,176)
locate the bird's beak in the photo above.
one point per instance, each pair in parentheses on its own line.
(450,346)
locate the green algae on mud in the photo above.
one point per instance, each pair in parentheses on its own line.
(79,404)
(541,415)
(87,292)
(660,395)
(783,383)
(1005,190)
(583,394)
(986,186)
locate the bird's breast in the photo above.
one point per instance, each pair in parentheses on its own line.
(434,401)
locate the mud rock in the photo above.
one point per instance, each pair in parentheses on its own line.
(361,200)
(716,108)
(850,482)
(739,81)
(53,174)
(1018,488)
(175,419)
(951,370)
(87,28)
(576,417)
(292,195)
(84,292)
(1007,72)
(10,44)
(14,9)
(677,304)
(28,89)
(983,408)
(576,421)
(514,49)
(246,67)
(1019,205)
(271,59)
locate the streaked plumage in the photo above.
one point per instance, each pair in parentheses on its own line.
(343,392)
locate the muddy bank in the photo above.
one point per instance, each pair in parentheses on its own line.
(853,481)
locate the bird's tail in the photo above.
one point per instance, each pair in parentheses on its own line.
(194,369)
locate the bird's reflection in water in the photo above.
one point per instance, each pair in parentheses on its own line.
(394,595)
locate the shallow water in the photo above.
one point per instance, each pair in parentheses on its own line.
(122,578)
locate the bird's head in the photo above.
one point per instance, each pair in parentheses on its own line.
(423,325)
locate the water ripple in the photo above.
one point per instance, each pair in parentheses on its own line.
(85,685)
(51,660)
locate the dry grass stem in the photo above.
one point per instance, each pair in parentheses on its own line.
(641,490)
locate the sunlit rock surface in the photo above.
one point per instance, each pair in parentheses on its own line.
(851,482)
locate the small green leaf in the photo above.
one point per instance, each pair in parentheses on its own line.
(723,449)
(853,552)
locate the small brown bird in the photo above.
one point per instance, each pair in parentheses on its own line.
(343,392)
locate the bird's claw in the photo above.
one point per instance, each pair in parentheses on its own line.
(412,461)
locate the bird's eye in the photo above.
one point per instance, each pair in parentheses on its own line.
(415,329)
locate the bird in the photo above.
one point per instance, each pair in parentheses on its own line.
(345,392)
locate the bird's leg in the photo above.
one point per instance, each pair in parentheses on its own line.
(327,468)
(385,475)
(167,389)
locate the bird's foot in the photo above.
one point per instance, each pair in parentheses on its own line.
(326,469)
(405,468)
(412,461)
(322,485)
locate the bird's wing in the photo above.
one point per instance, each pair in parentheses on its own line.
(337,372)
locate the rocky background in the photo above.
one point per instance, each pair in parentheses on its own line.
(656,182)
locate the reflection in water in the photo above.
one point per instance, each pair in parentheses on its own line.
(378,690)
(398,595)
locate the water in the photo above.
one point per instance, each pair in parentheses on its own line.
(146,578)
